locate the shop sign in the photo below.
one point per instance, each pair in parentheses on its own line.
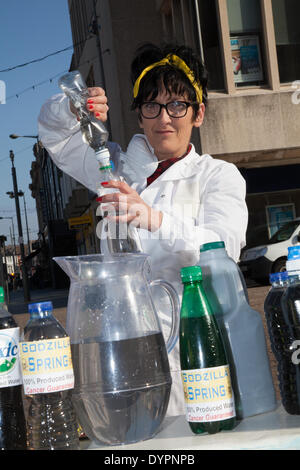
(78,222)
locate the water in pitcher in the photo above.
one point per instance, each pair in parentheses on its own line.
(132,400)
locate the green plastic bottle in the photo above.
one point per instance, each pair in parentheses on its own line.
(204,366)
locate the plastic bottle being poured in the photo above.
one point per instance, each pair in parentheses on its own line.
(121,238)
(94,133)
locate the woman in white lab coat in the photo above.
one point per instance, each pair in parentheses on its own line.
(177,198)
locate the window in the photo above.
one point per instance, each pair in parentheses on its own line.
(286,15)
(211,44)
(177,21)
(245,24)
(195,23)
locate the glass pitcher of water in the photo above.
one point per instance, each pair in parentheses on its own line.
(120,359)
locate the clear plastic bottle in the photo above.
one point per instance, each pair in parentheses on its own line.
(48,379)
(242,329)
(12,418)
(94,132)
(121,237)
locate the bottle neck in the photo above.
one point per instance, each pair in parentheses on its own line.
(40,315)
(106,173)
(104,162)
(105,166)
(280,284)
(194,302)
(216,253)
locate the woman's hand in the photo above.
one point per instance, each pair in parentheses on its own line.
(126,206)
(96,104)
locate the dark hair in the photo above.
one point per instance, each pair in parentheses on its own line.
(171,78)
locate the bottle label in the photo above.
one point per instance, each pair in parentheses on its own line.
(10,370)
(208,394)
(47,365)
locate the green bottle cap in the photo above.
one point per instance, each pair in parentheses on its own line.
(2,300)
(211,246)
(191,273)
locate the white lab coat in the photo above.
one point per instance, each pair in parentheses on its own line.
(202,200)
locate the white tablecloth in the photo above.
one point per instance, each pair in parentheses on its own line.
(276,430)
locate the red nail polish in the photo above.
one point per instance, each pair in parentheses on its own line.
(99,199)
(97,114)
(90,100)
(91,107)
(104,183)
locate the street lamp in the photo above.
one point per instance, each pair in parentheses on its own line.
(24,270)
(15,136)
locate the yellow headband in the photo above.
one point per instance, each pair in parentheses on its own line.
(173,60)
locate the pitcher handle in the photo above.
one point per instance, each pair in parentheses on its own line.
(175,304)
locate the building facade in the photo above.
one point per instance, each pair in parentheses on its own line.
(52,190)
(250,48)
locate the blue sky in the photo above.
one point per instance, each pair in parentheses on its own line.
(28,30)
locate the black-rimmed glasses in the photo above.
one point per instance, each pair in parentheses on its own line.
(175,109)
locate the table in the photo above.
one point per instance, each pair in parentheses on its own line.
(276,430)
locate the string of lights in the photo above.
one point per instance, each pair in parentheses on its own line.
(34,86)
(92,31)
(17,152)
(40,59)
(93,28)
(47,80)
(9,69)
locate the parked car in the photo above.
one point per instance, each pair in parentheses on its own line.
(260,261)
